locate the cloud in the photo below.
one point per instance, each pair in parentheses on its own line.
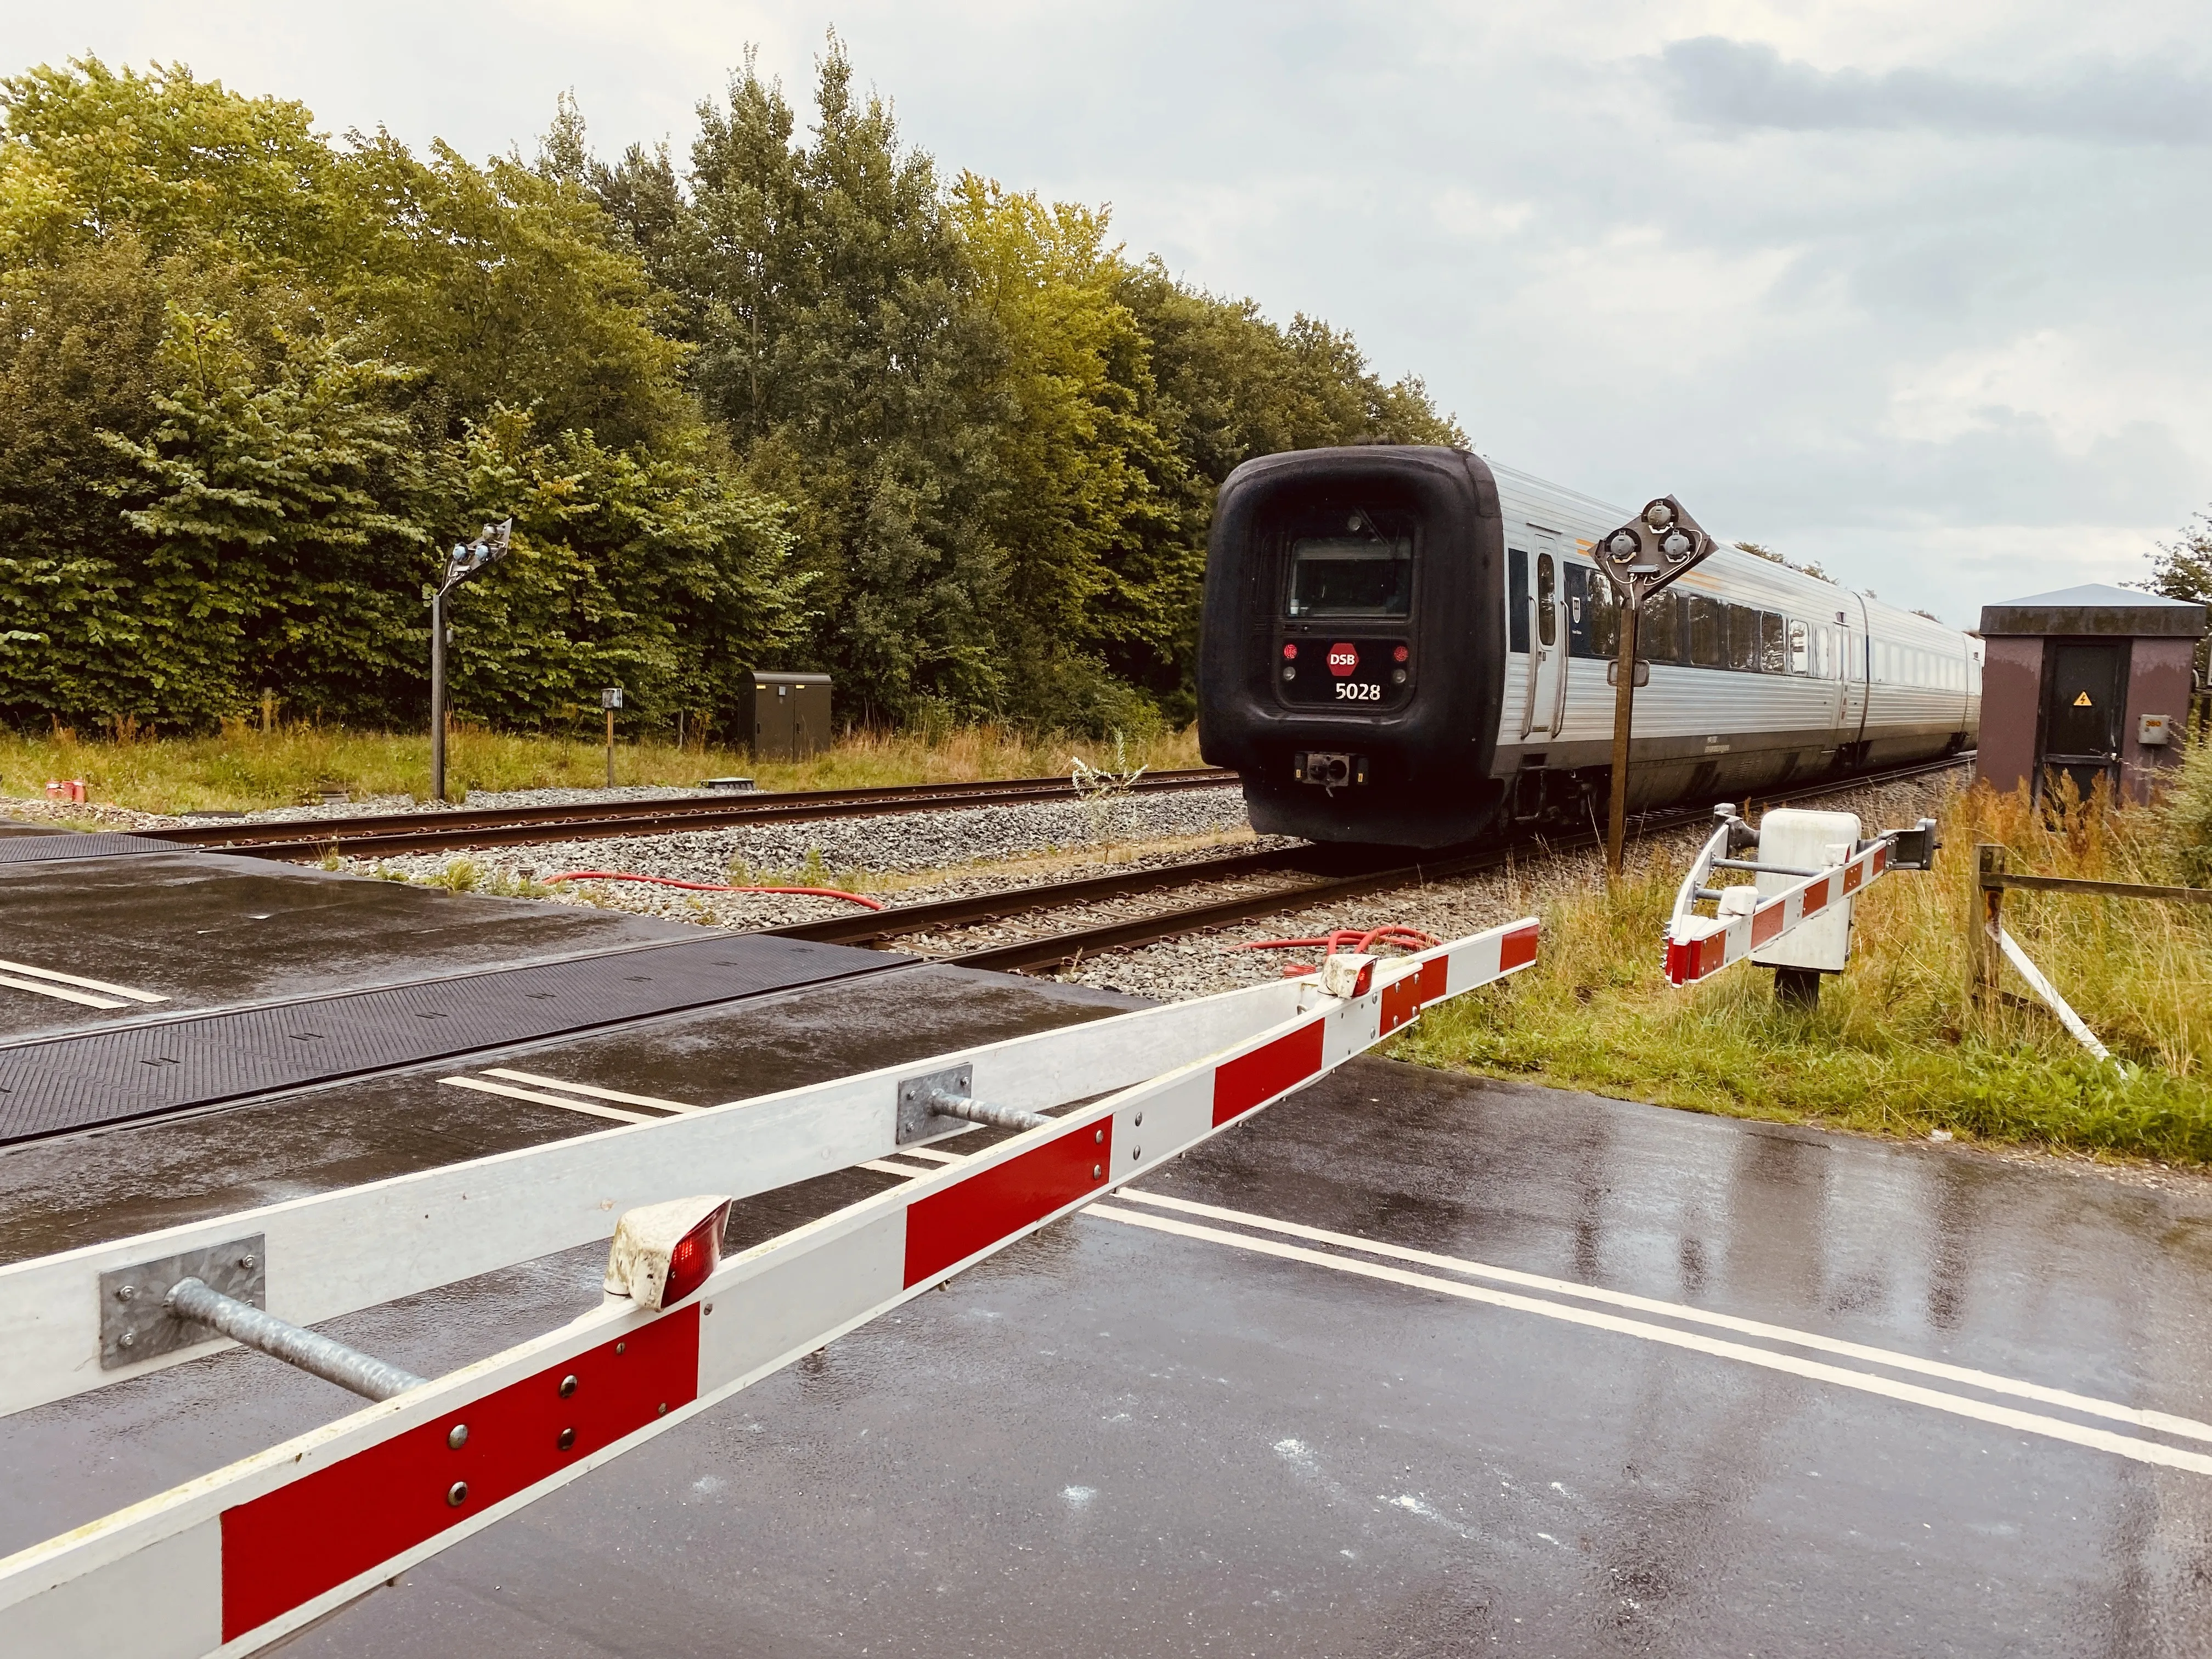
(1746,84)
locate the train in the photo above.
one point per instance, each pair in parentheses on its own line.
(1410,646)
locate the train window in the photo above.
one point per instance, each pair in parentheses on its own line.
(1362,574)
(1801,649)
(1547,603)
(1708,631)
(1742,638)
(1517,600)
(1659,631)
(1773,646)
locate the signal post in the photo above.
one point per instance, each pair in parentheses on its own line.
(1638,559)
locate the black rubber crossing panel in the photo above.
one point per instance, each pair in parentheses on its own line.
(87,1079)
(24,850)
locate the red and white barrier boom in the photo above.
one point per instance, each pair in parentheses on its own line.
(234,1560)
(1795,916)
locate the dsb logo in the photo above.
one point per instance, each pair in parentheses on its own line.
(1343,659)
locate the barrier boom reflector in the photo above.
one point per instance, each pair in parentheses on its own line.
(236,1561)
(1698,947)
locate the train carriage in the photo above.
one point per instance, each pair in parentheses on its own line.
(1412,646)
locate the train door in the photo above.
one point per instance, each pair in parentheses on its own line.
(2082,711)
(1548,646)
(1853,629)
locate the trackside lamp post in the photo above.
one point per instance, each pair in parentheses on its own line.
(463,562)
(1638,559)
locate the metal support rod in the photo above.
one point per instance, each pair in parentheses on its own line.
(334,1362)
(610,748)
(1764,869)
(438,695)
(1624,711)
(982,1111)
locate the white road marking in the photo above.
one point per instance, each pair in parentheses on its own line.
(586,1089)
(123,991)
(2161,1422)
(2142,1451)
(585,1107)
(83,998)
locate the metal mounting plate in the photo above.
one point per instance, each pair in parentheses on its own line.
(916,1121)
(135,1325)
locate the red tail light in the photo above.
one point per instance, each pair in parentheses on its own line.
(695,1258)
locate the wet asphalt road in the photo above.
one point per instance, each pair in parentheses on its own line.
(1113,1442)
(1113,1439)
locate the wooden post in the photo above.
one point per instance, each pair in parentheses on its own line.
(1987,955)
(1624,711)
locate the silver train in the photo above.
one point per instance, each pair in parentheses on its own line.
(1411,646)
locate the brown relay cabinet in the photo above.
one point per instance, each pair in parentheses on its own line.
(2092,682)
(787,715)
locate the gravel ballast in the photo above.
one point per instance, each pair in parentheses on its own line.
(958,845)
(1201,964)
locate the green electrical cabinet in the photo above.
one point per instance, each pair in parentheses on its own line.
(789,715)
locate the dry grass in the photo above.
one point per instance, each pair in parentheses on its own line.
(1895,1045)
(243,768)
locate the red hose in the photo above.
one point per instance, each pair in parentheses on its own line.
(710,886)
(1409,938)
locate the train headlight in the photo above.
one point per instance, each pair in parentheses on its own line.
(1289,673)
(1397,676)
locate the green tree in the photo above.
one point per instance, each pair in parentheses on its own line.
(252,381)
(839,341)
(2182,569)
(268,510)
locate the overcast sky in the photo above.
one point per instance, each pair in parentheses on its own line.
(1916,290)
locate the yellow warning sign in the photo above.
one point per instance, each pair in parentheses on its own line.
(2082,701)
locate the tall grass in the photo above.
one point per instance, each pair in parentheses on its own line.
(241,768)
(1895,1044)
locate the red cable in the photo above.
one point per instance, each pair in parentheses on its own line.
(710,886)
(1412,938)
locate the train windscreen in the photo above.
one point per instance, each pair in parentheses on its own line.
(1369,575)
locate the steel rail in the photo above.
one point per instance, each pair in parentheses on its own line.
(430,832)
(1054,949)
(897,922)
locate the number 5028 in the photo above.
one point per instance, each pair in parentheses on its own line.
(1358,691)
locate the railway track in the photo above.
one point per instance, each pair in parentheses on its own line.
(1338,873)
(371,834)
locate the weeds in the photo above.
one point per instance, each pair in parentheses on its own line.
(242,769)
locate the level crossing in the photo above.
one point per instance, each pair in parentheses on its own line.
(1357,1203)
